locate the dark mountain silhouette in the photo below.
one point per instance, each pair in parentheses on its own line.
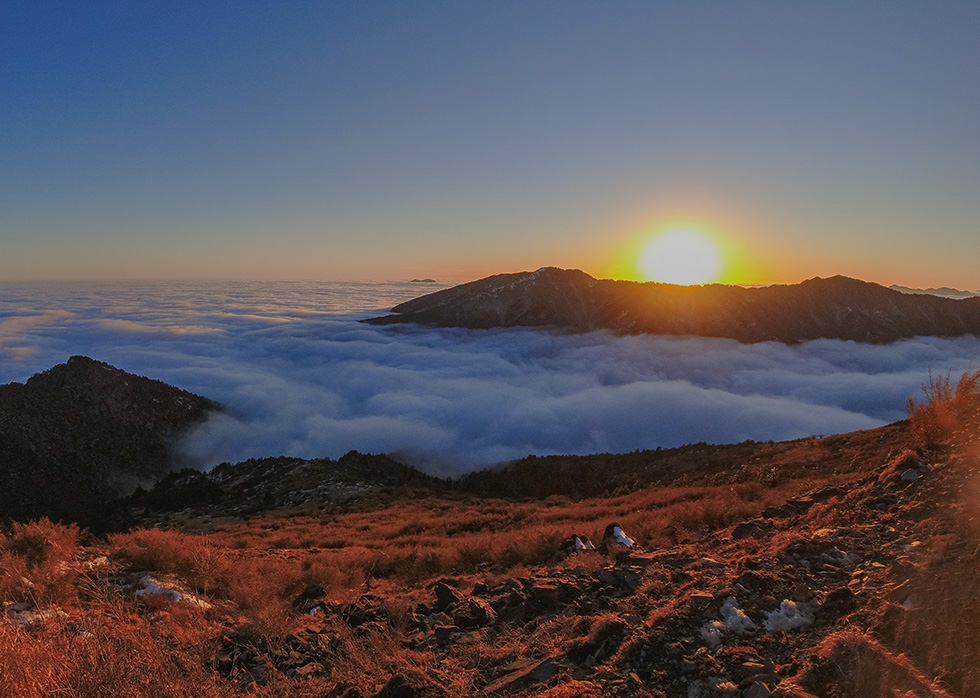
(834,308)
(83,432)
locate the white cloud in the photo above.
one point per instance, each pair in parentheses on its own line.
(299,379)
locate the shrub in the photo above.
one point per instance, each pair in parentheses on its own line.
(949,414)
(192,558)
(36,562)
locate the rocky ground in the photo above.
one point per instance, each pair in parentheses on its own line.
(861,589)
(774,606)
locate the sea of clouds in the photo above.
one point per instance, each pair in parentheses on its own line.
(299,376)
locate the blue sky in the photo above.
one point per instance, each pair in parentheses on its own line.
(370,140)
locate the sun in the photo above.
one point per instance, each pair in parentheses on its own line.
(681,257)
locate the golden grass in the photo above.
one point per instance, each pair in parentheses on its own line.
(949,413)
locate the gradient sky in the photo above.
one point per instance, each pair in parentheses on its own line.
(387,140)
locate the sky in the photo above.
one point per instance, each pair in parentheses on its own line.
(297,375)
(452,140)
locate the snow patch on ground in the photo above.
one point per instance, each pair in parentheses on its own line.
(151,585)
(733,621)
(789,616)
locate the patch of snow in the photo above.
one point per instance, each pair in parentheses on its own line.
(150,585)
(21,615)
(789,616)
(711,633)
(735,619)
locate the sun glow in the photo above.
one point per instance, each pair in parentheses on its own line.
(681,257)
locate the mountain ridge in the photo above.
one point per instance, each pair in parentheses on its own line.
(83,432)
(837,307)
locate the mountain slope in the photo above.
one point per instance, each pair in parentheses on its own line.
(834,308)
(82,432)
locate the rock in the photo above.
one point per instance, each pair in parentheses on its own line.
(749,529)
(790,691)
(445,633)
(367,609)
(523,675)
(309,598)
(907,464)
(624,578)
(575,544)
(757,690)
(310,669)
(838,603)
(398,687)
(783,512)
(446,596)
(475,613)
(545,593)
(614,537)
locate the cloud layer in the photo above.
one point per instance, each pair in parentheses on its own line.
(301,377)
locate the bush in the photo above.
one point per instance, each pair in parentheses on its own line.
(36,563)
(949,414)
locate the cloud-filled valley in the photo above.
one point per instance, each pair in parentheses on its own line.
(299,376)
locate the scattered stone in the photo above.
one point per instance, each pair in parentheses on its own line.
(750,529)
(523,675)
(790,691)
(367,609)
(838,603)
(575,544)
(311,669)
(475,613)
(398,687)
(309,598)
(545,593)
(446,596)
(757,690)
(614,537)
(446,633)
(623,578)
(906,468)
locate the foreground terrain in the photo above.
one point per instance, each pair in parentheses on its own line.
(834,567)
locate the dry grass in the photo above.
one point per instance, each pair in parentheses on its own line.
(949,413)
(102,643)
(91,638)
(857,666)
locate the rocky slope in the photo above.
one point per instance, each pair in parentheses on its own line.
(282,484)
(864,588)
(835,308)
(83,432)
